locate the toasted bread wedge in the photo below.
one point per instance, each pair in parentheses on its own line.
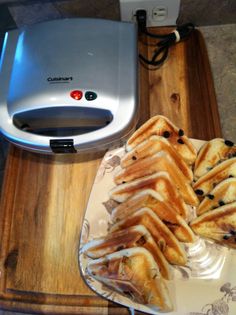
(211,154)
(161,126)
(218,224)
(134,236)
(121,272)
(161,183)
(152,200)
(165,239)
(151,146)
(207,182)
(223,193)
(161,161)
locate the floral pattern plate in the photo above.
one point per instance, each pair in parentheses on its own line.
(205,286)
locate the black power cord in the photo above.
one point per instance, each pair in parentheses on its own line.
(160,54)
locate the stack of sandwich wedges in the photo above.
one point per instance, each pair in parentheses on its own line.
(215,184)
(160,178)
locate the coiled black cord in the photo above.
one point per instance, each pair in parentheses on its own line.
(161,52)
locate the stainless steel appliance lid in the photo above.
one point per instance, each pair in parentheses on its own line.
(43,64)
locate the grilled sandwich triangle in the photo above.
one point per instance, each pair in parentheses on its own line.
(161,183)
(152,200)
(162,235)
(162,126)
(134,273)
(207,182)
(161,161)
(212,153)
(223,193)
(134,236)
(218,224)
(151,146)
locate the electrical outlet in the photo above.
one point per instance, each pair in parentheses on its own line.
(159,12)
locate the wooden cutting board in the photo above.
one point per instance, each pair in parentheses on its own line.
(44,197)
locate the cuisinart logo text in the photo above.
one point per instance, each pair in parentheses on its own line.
(59,79)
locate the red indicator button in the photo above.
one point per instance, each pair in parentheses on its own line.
(76,94)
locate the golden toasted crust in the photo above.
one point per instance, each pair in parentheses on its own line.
(212,153)
(140,198)
(134,236)
(162,235)
(151,146)
(207,182)
(161,161)
(161,126)
(223,193)
(161,183)
(153,201)
(121,272)
(218,224)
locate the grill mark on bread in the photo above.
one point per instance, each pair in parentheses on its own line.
(216,175)
(156,126)
(134,236)
(159,182)
(211,154)
(164,211)
(161,161)
(152,146)
(218,224)
(150,126)
(216,215)
(146,287)
(160,232)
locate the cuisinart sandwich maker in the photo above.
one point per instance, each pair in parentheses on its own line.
(69,85)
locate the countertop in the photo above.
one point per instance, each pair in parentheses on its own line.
(221,46)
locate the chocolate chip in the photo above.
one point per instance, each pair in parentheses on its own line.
(125,260)
(210,196)
(181,132)
(106,263)
(230,176)
(232,232)
(155,275)
(166,134)
(231,155)
(180,141)
(229,143)
(128,293)
(134,158)
(226,237)
(199,192)
(124,182)
(141,241)
(221,203)
(120,247)
(235,240)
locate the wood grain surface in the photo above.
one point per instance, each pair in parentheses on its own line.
(44,197)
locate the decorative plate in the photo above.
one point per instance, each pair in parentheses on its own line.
(205,286)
